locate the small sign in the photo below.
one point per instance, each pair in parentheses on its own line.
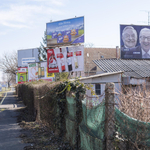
(25,61)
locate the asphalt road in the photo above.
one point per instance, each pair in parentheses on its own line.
(9,128)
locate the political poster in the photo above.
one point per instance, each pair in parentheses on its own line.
(65,59)
(70,31)
(22,75)
(135,41)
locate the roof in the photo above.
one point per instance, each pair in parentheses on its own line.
(100,75)
(130,67)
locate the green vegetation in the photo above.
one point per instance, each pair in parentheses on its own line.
(61,76)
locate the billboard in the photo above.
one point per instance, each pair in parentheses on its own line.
(65,59)
(68,31)
(27,56)
(135,41)
(22,75)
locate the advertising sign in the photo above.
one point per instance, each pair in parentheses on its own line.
(32,72)
(65,59)
(22,69)
(42,72)
(49,74)
(27,56)
(25,61)
(65,32)
(22,75)
(135,41)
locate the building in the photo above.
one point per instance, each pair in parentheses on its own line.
(135,72)
(99,81)
(90,54)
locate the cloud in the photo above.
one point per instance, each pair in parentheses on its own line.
(15,25)
(55,2)
(3,33)
(24,15)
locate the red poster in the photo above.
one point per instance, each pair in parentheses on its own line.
(52,64)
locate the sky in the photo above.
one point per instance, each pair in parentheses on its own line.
(23,22)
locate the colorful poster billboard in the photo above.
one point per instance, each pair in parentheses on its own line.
(22,75)
(65,59)
(135,41)
(38,71)
(68,31)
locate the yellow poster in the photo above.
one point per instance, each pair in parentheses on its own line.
(49,74)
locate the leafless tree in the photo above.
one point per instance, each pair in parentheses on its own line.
(8,63)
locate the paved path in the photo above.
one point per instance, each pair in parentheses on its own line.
(9,128)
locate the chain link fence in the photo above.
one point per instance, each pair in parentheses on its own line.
(95,123)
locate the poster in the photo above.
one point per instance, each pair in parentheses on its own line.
(65,59)
(42,72)
(52,62)
(32,71)
(135,41)
(68,31)
(22,75)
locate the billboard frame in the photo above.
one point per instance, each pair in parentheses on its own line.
(134,52)
(65,44)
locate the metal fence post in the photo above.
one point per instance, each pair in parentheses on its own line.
(109,115)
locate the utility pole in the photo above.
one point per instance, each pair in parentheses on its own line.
(148,15)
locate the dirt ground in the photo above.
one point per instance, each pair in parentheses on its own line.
(38,135)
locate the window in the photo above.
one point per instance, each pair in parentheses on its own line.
(98,89)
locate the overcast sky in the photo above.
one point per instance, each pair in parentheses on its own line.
(23,22)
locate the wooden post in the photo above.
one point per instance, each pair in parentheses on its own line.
(109,115)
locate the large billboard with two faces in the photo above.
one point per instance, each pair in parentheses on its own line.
(135,41)
(70,31)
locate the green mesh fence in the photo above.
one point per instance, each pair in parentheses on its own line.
(89,142)
(92,127)
(71,131)
(132,130)
(70,121)
(71,106)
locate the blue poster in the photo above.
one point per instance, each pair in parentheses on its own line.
(135,41)
(65,32)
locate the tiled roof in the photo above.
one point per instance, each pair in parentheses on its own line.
(131,67)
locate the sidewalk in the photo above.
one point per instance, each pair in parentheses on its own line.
(9,128)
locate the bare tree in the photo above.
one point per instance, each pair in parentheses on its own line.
(89,45)
(8,63)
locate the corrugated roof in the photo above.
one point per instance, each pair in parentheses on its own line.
(130,67)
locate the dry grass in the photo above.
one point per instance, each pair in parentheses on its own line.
(136,103)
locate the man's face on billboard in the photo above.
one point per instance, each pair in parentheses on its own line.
(145,40)
(129,38)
